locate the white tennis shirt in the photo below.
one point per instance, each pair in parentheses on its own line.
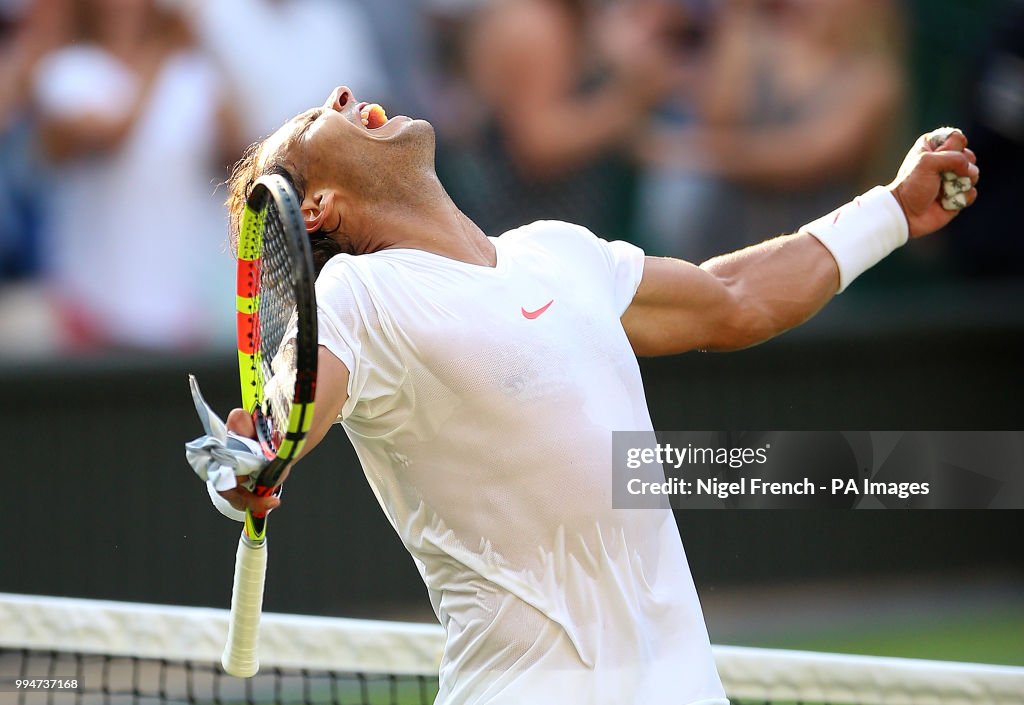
(481,405)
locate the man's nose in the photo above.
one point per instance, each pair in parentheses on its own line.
(339,98)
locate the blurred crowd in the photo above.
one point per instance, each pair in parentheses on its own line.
(691,127)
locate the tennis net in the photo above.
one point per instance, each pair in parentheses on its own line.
(88,651)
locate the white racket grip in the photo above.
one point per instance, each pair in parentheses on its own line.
(240,658)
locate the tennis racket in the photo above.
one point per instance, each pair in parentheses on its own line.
(277,354)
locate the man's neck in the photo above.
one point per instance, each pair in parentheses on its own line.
(430,221)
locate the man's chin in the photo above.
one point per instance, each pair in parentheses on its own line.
(420,132)
(399,125)
(418,126)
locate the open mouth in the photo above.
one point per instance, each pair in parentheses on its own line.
(372,116)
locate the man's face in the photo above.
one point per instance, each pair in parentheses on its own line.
(330,147)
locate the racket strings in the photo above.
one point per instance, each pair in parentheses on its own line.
(277,323)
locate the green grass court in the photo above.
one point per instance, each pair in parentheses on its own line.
(995,637)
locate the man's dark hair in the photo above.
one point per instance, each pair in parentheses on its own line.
(243,175)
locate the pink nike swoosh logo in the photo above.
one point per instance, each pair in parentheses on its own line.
(534,314)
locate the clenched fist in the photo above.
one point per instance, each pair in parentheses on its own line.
(918,186)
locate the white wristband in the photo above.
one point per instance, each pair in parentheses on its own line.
(861,233)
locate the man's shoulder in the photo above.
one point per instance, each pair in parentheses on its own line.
(337,267)
(554,237)
(351,277)
(566,241)
(548,229)
(379,272)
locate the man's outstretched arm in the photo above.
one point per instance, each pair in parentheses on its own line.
(331,395)
(746,297)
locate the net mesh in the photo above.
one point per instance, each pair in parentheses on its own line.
(120,653)
(89,678)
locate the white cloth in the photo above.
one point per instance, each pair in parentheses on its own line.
(483,422)
(137,236)
(221,456)
(285,56)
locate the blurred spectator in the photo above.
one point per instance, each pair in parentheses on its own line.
(133,118)
(403,31)
(449,101)
(986,238)
(565,85)
(284,56)
(798,103)
(27,31)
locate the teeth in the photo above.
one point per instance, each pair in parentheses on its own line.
(373,116)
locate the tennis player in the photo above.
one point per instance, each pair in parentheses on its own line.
(480,380)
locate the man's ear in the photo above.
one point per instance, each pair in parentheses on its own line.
(317,208)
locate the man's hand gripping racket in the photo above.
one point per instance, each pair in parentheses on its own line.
(277,357)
